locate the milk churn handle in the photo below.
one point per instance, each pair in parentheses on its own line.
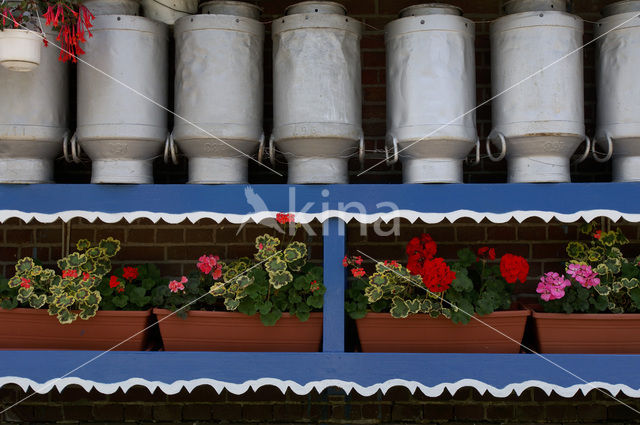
(609,150)
(503,147)
(261,148)
(75,150)
(65,146)
(394,159)
(361,151)
(272,151)
(586,153)
(170,149)
(476,160)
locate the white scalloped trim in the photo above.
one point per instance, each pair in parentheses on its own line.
(412,216)
(219,386)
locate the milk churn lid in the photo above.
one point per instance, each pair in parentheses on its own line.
(324,7)
(430,9)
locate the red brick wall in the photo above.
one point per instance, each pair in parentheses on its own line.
(269,405)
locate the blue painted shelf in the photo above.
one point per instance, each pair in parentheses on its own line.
(333,206)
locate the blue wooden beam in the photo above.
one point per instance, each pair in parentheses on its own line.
(365,373)
(333,335)
(566,198)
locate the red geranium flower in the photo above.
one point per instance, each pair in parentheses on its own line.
(130,273)
(285,218)
(436,275)
(514,267)
(597,234)
(113,281)
(24,282)
(423,246)
(486,253)
(69,273)
(358,272)
(345,261)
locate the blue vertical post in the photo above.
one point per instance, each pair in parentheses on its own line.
(334,279)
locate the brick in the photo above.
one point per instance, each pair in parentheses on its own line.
(167,412)
(140,235)
(137,394)
(289,411)
(257,412)
(108,412)
(73,412)
(196,412)
(469,412)
(138,412)
(227,412)
(75,393)
(42,413)
(501,233)
(494,412)
(202,234)
(139,253)
(9,254)
(109,232)
(379,411)
(592,412)
(533,233)
(170,235)
(548,250)
(620,412)
(438,411)
(529,413)
(49,236)
(19,236)
(471,234)
(406,412)
(20,413)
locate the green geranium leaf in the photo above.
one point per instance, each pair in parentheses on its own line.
(8,304)
(24,294)
(119,301)
(24,265)
(83,244)
(373,293)
(110,246)
(65,316)
(280,279)
(378,279)
(231,304)
(629,283)
(38,301)
(87,311)
(14,282)
(275,264)
(295,251)
(462,282)
(316,301)
(271,318)
(218,289)
(634,294)
(399,308)
(576,250)
(414,306)
(467,257)
(265,307)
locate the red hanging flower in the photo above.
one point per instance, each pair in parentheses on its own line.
(514,267)
(436,275)
(130,273)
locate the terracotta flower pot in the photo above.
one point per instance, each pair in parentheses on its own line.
(232,331)
(419,333)
(32,329)
(588,333)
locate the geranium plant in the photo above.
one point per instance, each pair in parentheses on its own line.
(597,278)
(69,18)
(71,294)
(278,279)
(131,288)
(475,283)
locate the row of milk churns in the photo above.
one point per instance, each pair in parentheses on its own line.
(537,80)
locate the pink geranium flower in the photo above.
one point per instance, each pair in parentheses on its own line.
(584,275)
(551,286)
(176,286)
(207,263)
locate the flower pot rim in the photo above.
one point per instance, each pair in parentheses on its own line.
(225,314)
(501,313)
(586,316)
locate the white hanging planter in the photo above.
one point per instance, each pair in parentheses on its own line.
(20,50)
(169,11)
(112,7)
